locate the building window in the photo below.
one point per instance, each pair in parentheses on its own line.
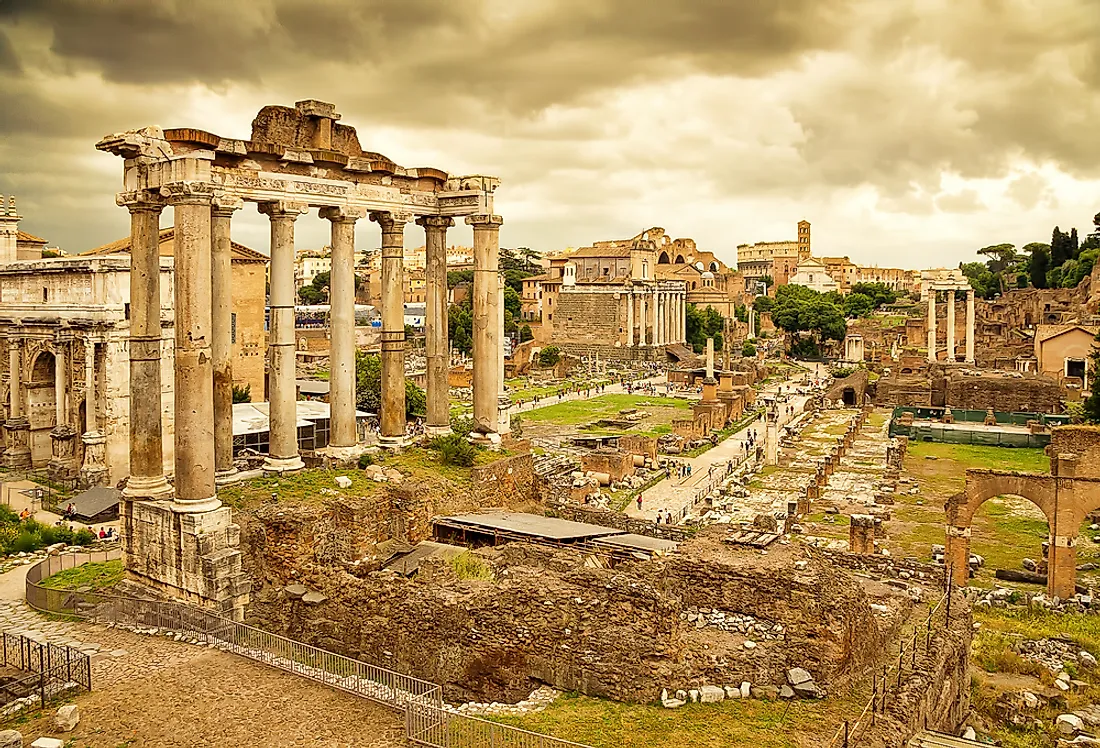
(645,269)
(45,295)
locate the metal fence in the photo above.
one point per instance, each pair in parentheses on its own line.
(428,721)
(887,680)
(51,669)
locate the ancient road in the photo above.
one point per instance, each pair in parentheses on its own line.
(678,495)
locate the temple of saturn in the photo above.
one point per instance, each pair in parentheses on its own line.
(179,537)
(932,283)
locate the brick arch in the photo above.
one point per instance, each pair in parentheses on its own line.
(982,486)
(1086,499)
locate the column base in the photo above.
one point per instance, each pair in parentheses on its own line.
(224,477)
(437,430)
(196,507)
(393,442)
(490,439)
(969,361)
(147,488)
(18,454)
(94,470)
(283,464)
(342,454)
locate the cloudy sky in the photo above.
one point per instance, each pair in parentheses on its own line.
(909,132)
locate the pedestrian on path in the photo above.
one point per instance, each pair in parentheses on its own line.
(639,502)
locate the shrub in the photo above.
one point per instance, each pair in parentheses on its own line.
(454,450)
(8,516)
(549,356)
(84,536)
(365,461)
(242,394)
(748,350)
(462,425)
(469,566)
(26,542)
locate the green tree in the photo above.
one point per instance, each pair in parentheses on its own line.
(242,393)
(549,356)
(525,334)
(457,278)
(748,350)
(985,284)
(763,304)
(512,302)
(1092,403)
(858,305)
(801,309)
(1038,266)
(368,387)
(702,324)
(460,326)
(879,293)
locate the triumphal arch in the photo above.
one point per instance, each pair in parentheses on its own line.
(297,159)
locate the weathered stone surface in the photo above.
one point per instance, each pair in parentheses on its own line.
(11,739)
(711,694)
(785,692)
(798,675)
(48,743)
(1069,724)
(672,703)
(296,591)
(67,718)
(746,689)
(732,692)
(313,598)
(693,695)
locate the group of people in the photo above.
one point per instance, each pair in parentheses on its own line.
(680,469)
(666,519)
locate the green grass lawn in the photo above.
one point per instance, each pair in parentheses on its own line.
(576,412)
(976,456)
(97,576)
(762,724)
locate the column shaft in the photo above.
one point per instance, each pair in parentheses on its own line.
(487,332)
(342,328)
(436,342)
(15,379)
(643,339)
(629,319)
(970,326)
(654,338)
(89,387)
(146,479)
(931,325)
(194,382)
(392,417)
(951,326)
(60,386)
(221,325)
(282,390)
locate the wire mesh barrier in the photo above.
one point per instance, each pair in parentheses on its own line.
(428,721)
(887,680)
(52,670)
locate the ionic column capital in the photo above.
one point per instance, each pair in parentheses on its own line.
(282,209)
(187,193)
(435,222)
(343,213)
(485,221)
(225,205)
(141,201)
(391,220)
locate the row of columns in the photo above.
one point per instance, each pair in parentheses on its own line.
(659,315)
(931,326)
(203,309)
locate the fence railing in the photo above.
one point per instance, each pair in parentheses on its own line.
(51,669)
(886,681)
(428,720)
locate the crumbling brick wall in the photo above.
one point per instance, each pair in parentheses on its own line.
(594,515)
(1083,441)
(1027,394)
(548,617)
(508,482)
(639,445)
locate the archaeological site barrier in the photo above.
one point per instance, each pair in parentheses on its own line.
(429,721)
(51,670)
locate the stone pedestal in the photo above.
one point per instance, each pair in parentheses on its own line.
(18,454)
(861,534)
(63,458)
(192,556)
(94,470)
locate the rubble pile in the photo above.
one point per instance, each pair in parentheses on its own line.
(735,622)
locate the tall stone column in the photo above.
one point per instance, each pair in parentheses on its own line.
(629,319)
(436,342)
(146,479)
(487,332)
(951,326)
(282,454)
(94,470)
(970,326)
(62,461)
(643,339)
(504,403)
(680,305)
(194,369)
(931,325)
(659,318)
(221,326)
(18,454)
(751,335)
(653,318)
(343,435)
(392,417)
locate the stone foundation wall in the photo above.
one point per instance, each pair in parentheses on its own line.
(613,352)
(936,695)
(507,482)
(618,520)
(1083,441)
(639,445)
(616,464)
(623,633)
(1008,394)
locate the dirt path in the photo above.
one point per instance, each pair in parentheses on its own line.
(215,699)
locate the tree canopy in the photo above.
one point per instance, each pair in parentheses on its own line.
(368,387)
(700,325)
(802,309)
(316,292)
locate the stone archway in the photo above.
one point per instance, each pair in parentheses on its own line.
(41,406)
(1041,490)
(662,259)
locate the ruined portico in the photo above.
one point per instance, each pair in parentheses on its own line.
(934,282)
(296,160)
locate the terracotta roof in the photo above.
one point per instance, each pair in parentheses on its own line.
(1046,332)
(541,277)
(23,236)
(602,252)
(168,245)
